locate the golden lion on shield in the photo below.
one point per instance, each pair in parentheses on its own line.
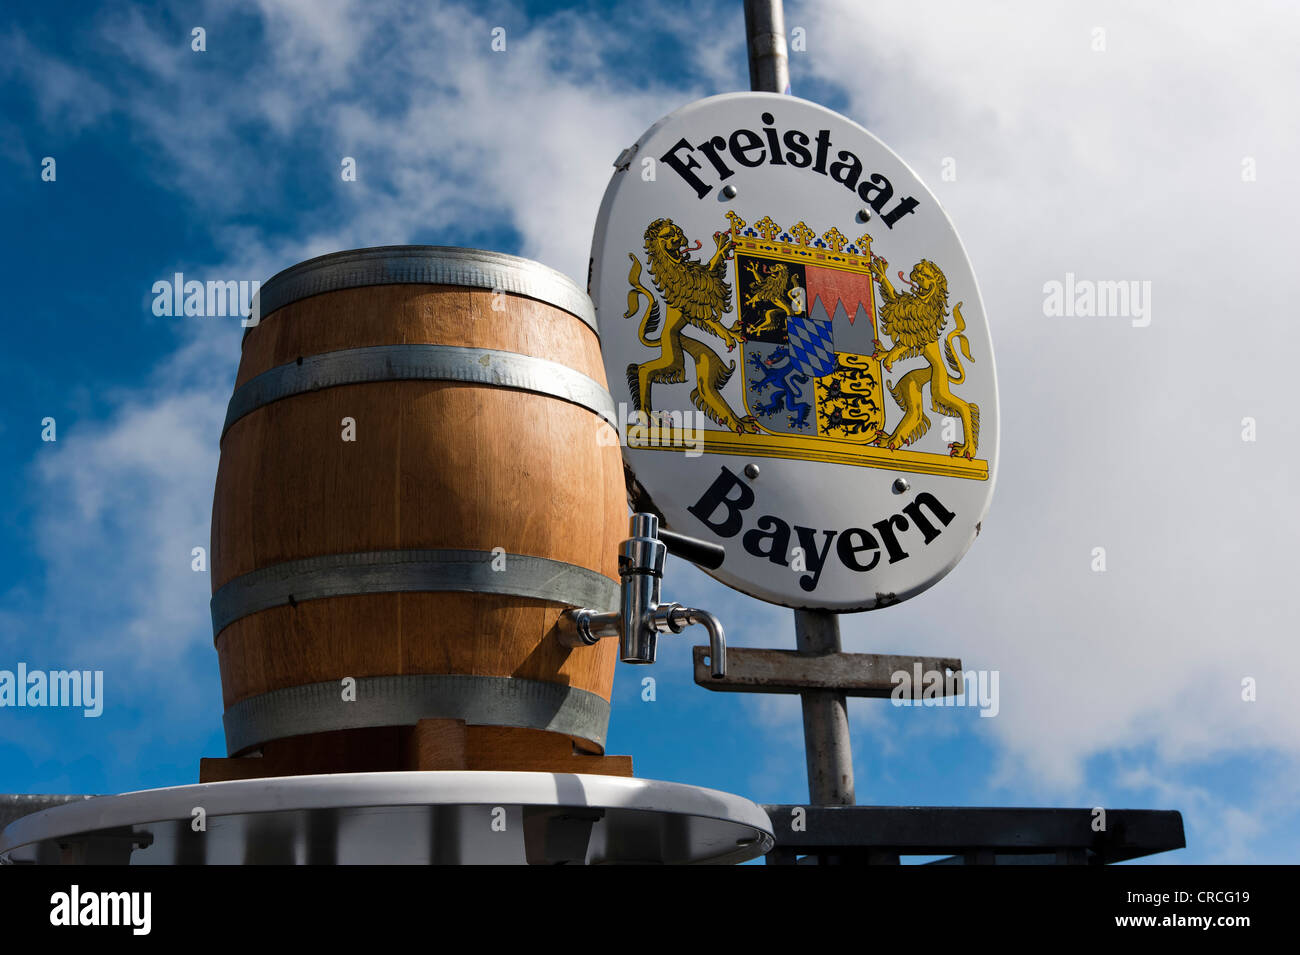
(914,321)
(773,283)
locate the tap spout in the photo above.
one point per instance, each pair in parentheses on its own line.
(640,617)
(678,618)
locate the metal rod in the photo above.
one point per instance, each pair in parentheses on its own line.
(827,748)
(769,63)
(825,717)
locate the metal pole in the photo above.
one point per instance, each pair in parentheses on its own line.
(769,64)
(825,718)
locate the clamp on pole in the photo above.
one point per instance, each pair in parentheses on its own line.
(641,617)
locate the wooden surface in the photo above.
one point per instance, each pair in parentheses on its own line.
(434,465)
(450,744)
(429,745)
(419,314)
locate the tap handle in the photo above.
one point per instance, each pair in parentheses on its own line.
(693,549)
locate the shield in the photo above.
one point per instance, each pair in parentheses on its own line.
(807,314)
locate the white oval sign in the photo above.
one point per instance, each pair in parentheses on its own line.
(802,363)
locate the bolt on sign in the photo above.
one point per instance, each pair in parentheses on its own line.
(794,331)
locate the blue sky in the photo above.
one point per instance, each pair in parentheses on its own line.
(1124,162)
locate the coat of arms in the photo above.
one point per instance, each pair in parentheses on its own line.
(812,369)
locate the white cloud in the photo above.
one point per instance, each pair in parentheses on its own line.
(124,502)
(1123,164)
(316,39)
(1225,832)
(66,97)
(117,507)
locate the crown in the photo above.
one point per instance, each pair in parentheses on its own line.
(799,243)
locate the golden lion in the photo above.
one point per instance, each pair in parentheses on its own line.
(914,321)
(695,294)
(773,284)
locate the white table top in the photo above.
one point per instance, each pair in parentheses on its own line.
(403,817)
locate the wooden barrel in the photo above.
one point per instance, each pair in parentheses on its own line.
(416,478)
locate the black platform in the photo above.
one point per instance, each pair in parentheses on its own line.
(879,835)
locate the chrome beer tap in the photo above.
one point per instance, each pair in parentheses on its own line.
(641,617)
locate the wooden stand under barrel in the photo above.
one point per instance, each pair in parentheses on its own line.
(415,480)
